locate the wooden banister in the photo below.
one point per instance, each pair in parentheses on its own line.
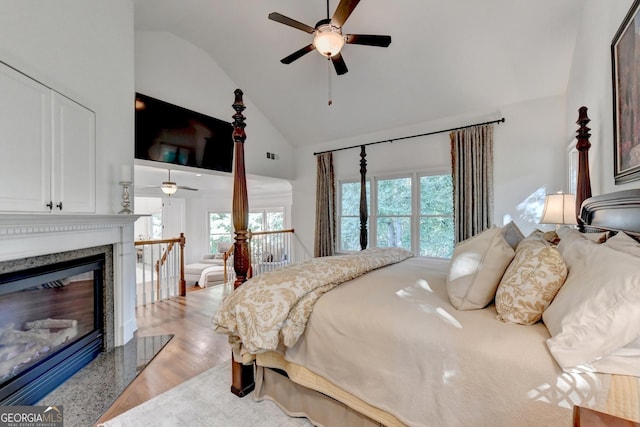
(181,241)
(262,233)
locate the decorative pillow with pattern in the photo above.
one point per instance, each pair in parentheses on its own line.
(530,283)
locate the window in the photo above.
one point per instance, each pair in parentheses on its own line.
(220,230)
(266,220)
(436,216)
(156,226)
(350,215)
(221,225)
(393,223)
(413,211)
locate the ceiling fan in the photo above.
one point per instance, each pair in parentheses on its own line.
(328,39)
(169,187)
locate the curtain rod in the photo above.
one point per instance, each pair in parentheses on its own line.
(412,136)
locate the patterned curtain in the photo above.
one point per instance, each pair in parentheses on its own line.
(325,238)
(472,169)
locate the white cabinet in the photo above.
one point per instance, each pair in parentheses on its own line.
(47,143)
(73,186)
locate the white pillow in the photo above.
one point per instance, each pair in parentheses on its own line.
(476,268)
(624,243)
(569,237)
(569,234)
(596,312)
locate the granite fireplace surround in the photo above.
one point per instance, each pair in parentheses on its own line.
(41,239)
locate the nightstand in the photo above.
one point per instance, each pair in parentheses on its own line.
(585,417)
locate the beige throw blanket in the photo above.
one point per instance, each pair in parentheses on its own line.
(274,307)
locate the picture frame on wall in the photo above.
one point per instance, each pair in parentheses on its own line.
(625,60)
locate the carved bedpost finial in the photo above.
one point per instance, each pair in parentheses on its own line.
(240,208)
(238,119)
(583,187)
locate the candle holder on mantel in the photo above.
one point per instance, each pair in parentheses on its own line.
(126,198)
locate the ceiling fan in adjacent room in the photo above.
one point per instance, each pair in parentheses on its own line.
(169,187)
(328,39)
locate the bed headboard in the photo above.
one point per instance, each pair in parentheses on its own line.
(617,211)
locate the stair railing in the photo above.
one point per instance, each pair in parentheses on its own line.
(160,269)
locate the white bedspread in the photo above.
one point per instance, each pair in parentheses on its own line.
(392,338)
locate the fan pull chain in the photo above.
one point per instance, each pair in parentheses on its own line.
(329,80)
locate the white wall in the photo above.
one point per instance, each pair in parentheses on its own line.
(530,160)
(590,85)
(84,50)
(529,155)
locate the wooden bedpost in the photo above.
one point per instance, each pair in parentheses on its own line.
(583,187)
(242,375)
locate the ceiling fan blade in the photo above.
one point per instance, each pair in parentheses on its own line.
(275,16)
(368,39)
(297,54)
(339,65)
(343,11)
(180,187)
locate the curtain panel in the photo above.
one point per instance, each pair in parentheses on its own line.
(325,235)
(472,170)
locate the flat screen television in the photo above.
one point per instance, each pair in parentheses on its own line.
(171,134)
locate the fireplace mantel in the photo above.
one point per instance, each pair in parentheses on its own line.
(36,219)
(39,234)
(27,235)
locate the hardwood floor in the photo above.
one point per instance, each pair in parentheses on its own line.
(194,348)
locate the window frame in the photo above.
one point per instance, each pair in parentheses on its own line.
(372,221)
(263,211)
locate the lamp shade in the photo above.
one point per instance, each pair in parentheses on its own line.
(169,187)
(559,208)
(328,41)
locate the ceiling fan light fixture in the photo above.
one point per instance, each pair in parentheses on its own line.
(169,187)
(328,40)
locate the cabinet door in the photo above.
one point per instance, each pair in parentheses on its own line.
(25,142)
(74,159)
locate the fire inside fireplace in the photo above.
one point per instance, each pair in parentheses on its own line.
(51,325)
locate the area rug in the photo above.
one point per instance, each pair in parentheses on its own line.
(205,400)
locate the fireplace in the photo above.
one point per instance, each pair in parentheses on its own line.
(53,319)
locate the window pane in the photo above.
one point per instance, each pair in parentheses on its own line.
(220,230)
(394,197)
(255,221)
(350,198)
(436,195)
(436,237)
(275,221)
(350,233)
(220,223)
(394,232)
(156,226)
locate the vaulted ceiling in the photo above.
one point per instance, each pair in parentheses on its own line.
(446,58)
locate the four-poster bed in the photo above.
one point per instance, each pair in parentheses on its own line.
(386,347)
